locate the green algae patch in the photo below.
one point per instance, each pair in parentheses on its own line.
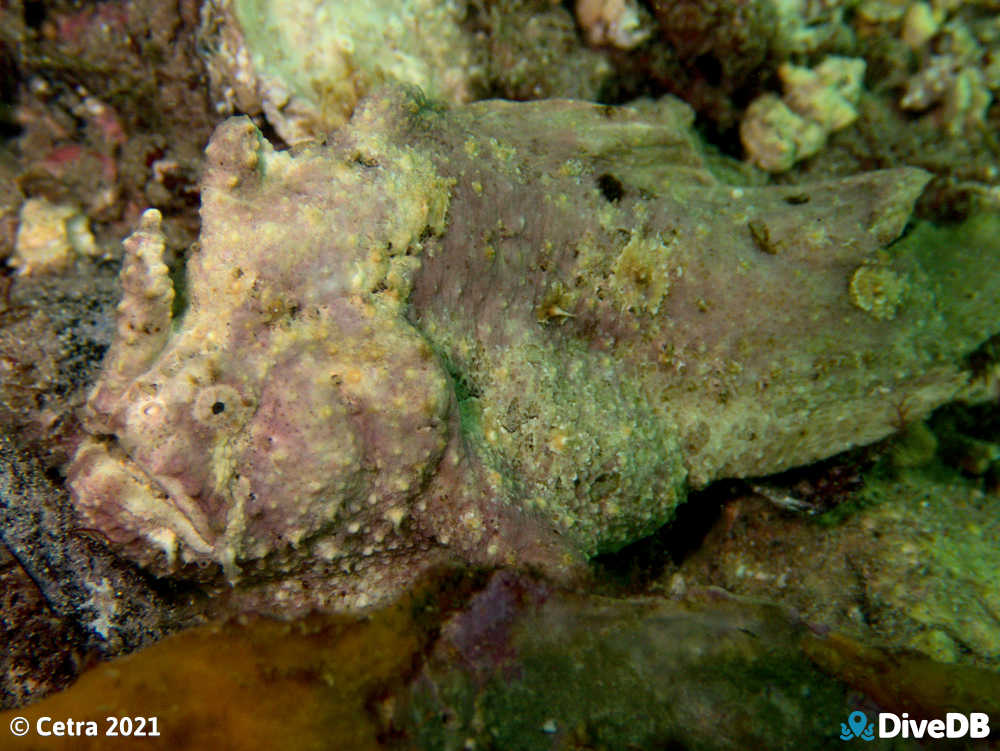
(909,561)
(941,570)
(962,273)
(527,668)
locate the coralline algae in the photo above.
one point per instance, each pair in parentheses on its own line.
(307,63)
(503,333)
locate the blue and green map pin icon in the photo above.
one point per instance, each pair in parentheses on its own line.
(857,721)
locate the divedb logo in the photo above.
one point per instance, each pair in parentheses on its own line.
(954,725)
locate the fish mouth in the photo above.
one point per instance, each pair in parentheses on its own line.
(125,502)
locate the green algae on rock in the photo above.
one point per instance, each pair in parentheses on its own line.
(506,333)
(913,566)
(526,667)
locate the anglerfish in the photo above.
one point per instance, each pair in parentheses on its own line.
(502,333)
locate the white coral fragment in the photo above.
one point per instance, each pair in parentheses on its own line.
(777,133)
(612,22)
(775,137)
(826,94)
(959,94)
(805,26)
(49,236)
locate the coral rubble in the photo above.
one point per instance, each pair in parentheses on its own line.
(615,22)
(49,236)
(778,133)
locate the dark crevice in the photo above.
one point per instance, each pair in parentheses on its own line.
(34,14)
(611,187)
(638,565)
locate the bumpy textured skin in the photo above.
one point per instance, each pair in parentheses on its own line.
(502,333)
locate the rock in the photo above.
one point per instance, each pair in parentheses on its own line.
(525,667)
(907,562)
(306,64)
(105,605)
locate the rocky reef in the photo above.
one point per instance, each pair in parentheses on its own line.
(433,343)
(501,333)
(522,665)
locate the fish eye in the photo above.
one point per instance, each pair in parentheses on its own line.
(219,405)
